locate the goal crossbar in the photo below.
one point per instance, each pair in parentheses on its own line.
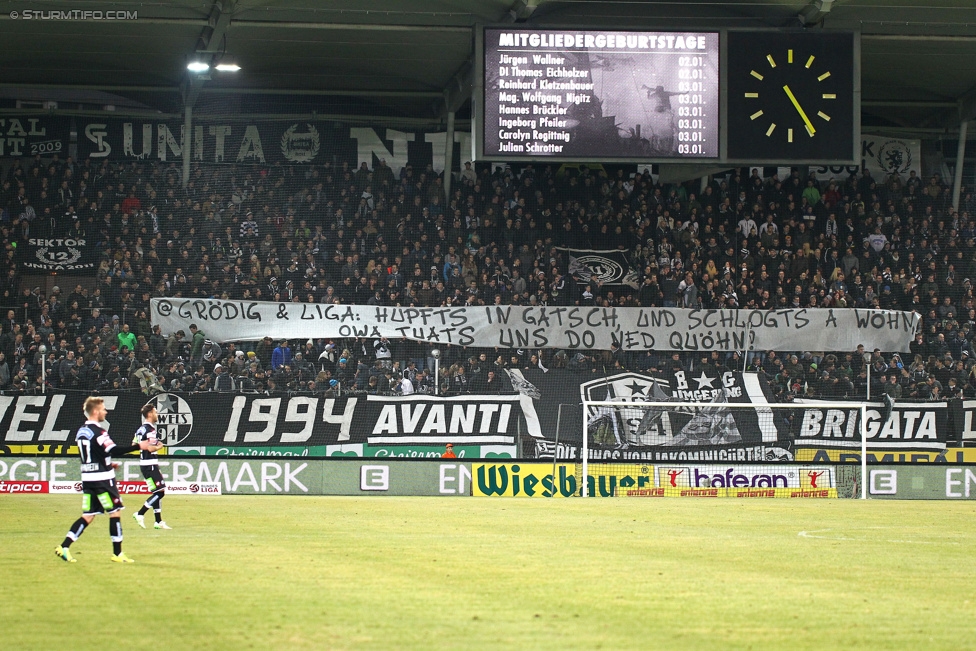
(758,407)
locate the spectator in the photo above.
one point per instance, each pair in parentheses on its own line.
(281,356)
(126,339)
(222,380)
(196,353)
(856,242)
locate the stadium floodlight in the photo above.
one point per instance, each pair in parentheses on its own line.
(42,349)
(815,12)
(197,66)
(868,361)
(227,67)
(614,431)
(436,354)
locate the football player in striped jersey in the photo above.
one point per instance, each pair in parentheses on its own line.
(100,492)
(149,463)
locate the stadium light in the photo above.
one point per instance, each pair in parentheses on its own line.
(42,349)
(227,67)
(197,66)
(436,354)
(868,359)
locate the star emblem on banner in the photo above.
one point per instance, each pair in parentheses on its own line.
(175,418)
(166,404)
(704,381)
(637,389)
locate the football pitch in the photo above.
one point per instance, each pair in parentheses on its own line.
(332,573)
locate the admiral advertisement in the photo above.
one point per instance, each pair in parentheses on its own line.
(540,419)
(286,142)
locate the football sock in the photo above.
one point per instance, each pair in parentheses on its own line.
(157,499)
(75,532)
(151,502)
(115,531)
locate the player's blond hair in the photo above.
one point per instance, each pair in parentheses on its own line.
(91,402)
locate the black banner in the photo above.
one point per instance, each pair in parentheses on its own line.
(63,255)
(609,267)
(288,142)
(542,418)
(25,135)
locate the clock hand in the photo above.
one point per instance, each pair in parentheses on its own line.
(799,109)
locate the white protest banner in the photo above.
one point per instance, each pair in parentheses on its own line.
(583,328)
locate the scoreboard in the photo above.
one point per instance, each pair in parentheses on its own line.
(724,96)
(601,94)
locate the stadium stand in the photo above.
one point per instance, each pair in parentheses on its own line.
(344,234)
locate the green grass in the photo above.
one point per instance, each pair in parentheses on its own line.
(331,572)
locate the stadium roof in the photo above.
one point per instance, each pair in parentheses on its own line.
(412,59)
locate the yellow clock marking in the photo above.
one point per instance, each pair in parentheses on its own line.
(772,127)
(823,76)
(789,135)
(752,95)
(810,61)
(789,56)
(829,96)
(756,75)
(772,63)
(756,114)
(823,115)
(810,129)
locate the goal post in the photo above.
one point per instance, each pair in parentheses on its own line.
(652,436)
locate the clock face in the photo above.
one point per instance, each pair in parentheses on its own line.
(791,96)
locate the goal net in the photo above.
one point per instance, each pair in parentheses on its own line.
(715,449)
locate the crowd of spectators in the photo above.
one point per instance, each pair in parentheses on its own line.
(338,233)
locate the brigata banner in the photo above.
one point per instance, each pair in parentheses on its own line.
(573,328)
(63,255)
(910,426)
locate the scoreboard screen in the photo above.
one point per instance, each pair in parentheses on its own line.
(600,95)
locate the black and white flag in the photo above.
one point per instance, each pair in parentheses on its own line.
(609,267)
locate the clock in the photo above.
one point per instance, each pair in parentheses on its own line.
(791,96)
